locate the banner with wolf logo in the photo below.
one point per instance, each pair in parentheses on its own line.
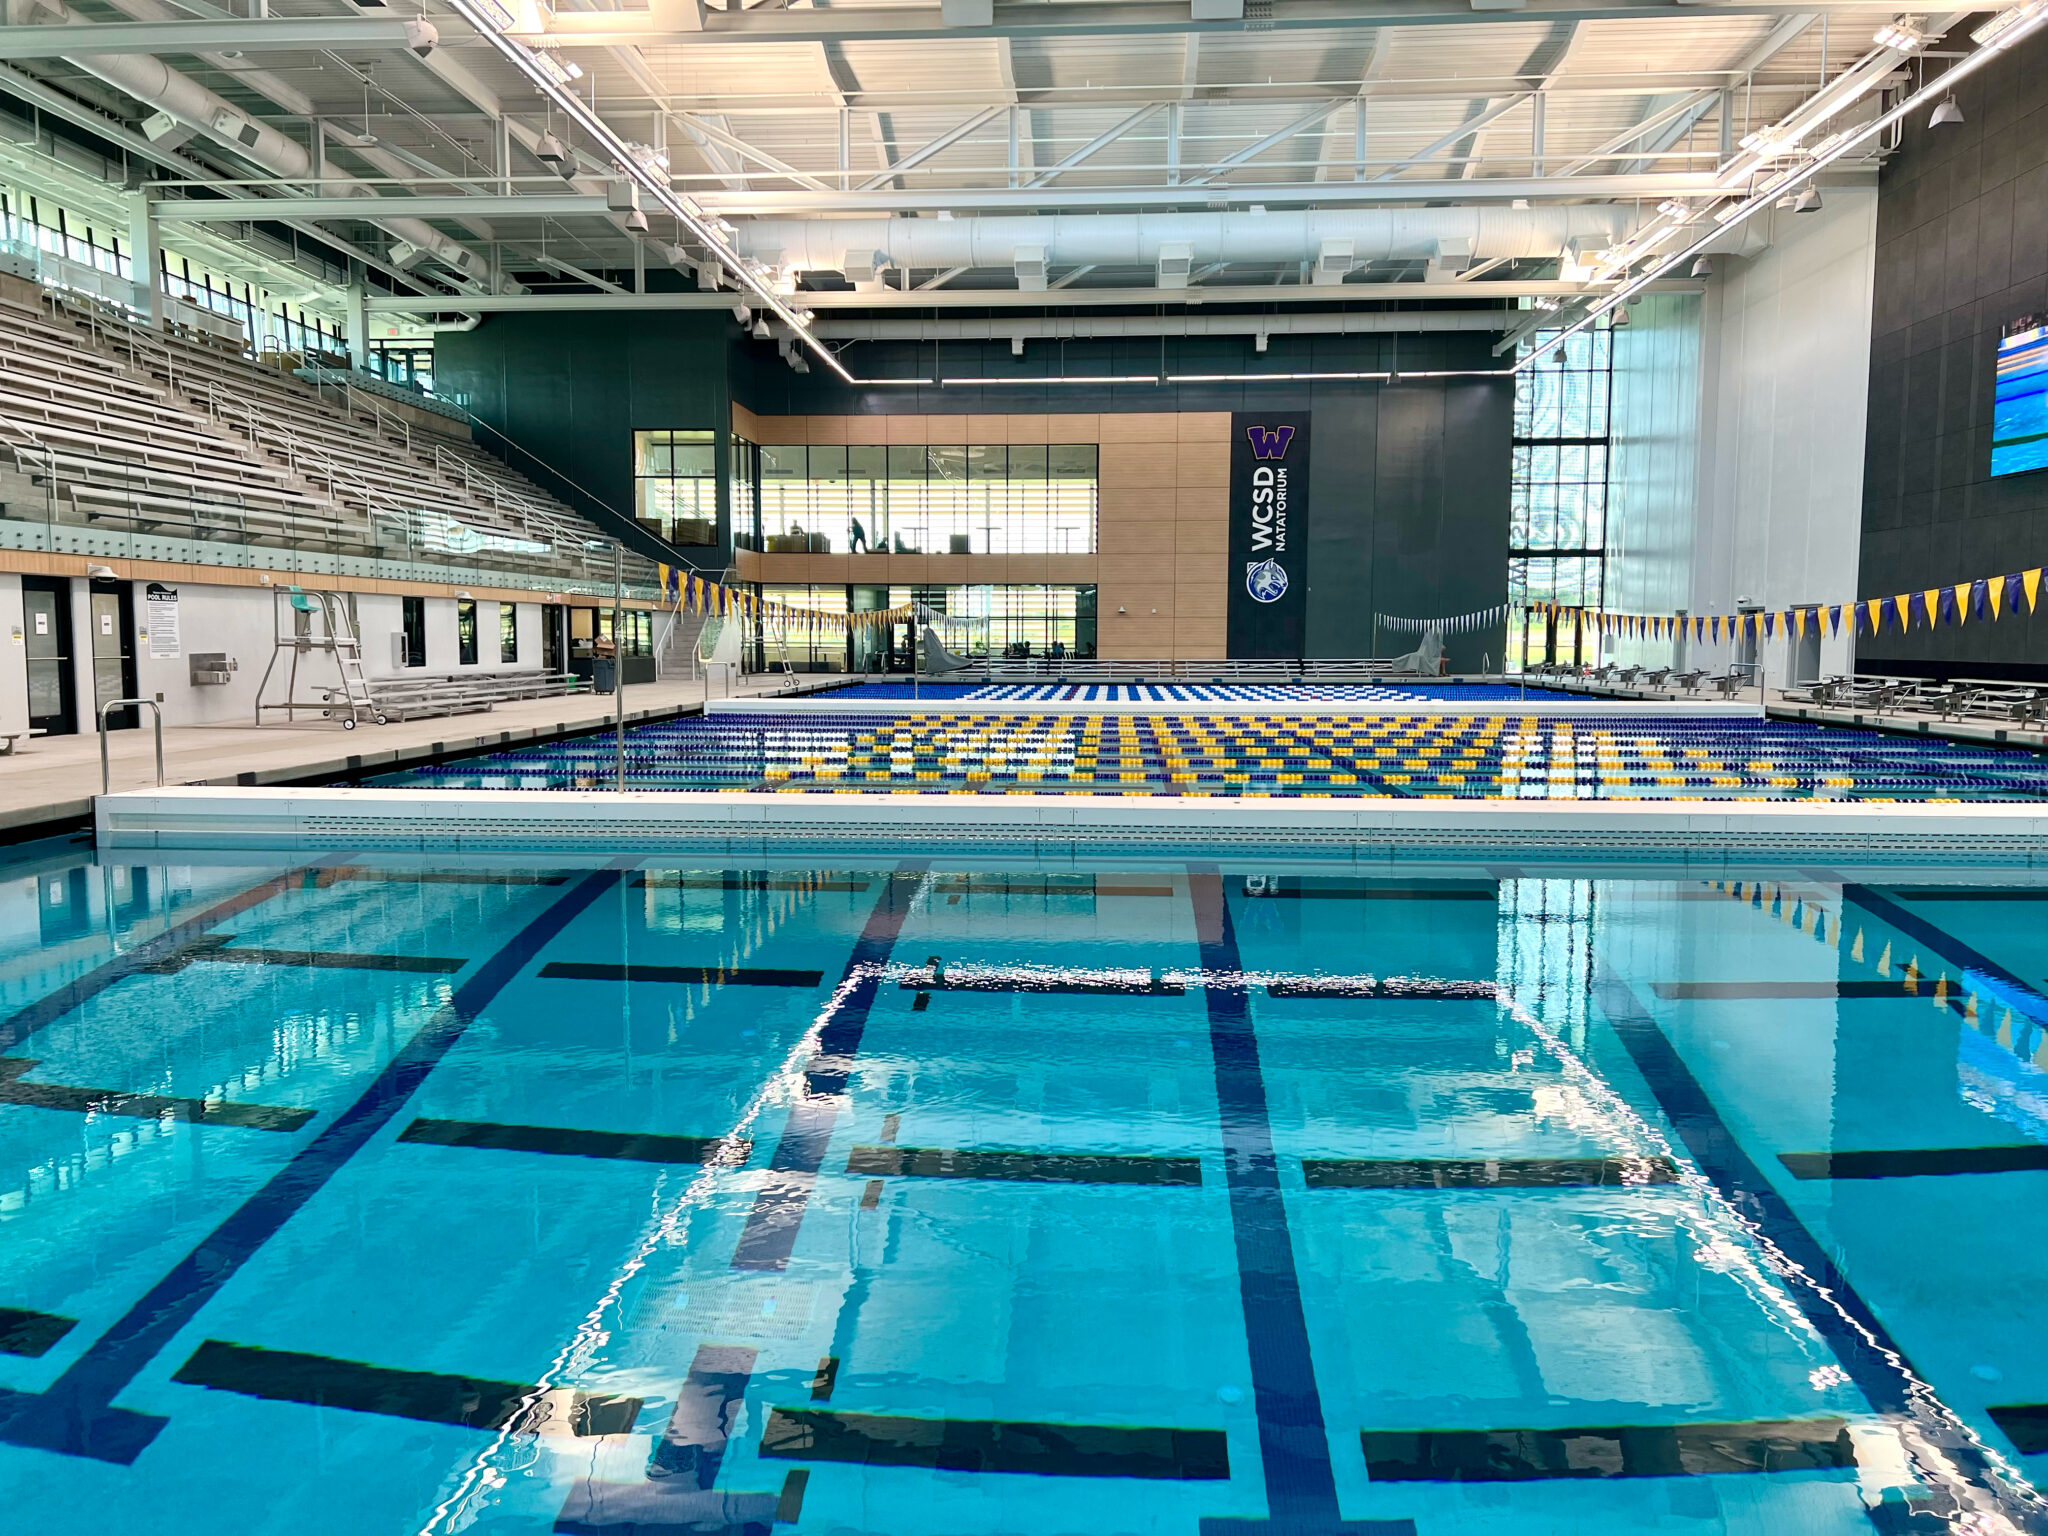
(1268,571)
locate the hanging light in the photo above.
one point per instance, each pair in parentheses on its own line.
(1808,200)
(1702,267)
(1945,112)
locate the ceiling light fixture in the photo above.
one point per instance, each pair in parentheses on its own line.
(2005,30)
(491,21)
(2008,27)
(1319,378)
(1704,267)
(1808,200)
(1122,378)
(1945,112)
(1901,36)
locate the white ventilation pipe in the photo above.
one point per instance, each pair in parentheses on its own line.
(1453,235)
(154,83)
(1092,327)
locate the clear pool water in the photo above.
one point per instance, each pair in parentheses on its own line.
(358,1196)
(1595,757)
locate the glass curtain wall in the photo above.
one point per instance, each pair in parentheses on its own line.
(981,499)
(675,485)
(1558,519)
(1010,621)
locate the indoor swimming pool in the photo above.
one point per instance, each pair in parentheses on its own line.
(1600,756)
(360,1194)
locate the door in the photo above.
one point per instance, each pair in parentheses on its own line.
(113,652)
(46,622)
(553,621)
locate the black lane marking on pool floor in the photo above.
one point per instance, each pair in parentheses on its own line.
(1390,990)
(995,1445)
(934,979)
(688,975)
(286,1376)
(1487,1173)
(771,1229)
(1673,991)
(1294,1445)
(1969,893)
(1861,1343)
(693,1444)
(1915,1162)
(557,1141)
(23,1332)
(826,1378)
(76,1415)
(143,958)
(1023,1167)
(2025,1425)
(1625,1450)
(141,1106)
(678,1493)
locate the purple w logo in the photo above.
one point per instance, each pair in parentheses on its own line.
(1269,442)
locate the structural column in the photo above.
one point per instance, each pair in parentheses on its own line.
(146,257)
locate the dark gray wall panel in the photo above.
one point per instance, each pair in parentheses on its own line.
(1962,229)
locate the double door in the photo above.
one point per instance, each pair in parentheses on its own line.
(48,640)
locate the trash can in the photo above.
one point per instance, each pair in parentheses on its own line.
(605,673)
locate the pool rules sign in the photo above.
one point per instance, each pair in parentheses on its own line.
(1268,573)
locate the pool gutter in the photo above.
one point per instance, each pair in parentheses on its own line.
(474,820)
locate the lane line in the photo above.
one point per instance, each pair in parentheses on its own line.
(770,1233)
(76,1415)
(1294,1445)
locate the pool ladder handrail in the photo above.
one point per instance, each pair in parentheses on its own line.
(106,769)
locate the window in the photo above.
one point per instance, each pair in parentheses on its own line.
(508,632)
(413,621)
(676,485)
(1558,509)
(465,631)
(983,499)
(1016,621)
(636,630)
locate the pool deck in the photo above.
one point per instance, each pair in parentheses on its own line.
(750,822)
(53,779)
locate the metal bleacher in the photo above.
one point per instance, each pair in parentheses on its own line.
(155,434)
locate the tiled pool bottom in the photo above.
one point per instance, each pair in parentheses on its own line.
(882,1198)
(1597,757)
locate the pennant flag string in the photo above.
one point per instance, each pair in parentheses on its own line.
(1983,601)
(1454,624)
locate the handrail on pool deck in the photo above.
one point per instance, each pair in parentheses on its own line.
(106,770)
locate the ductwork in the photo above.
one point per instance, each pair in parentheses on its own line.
(152,82)
(1094,327)
(1446,237)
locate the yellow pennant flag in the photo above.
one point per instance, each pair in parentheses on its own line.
(1799,622)
(1962,592)
(1904,603)
(1931,600)
(1995,591)
(2030,583)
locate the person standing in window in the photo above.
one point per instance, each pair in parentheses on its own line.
(857,538)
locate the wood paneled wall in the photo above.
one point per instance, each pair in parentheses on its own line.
(1162,534)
